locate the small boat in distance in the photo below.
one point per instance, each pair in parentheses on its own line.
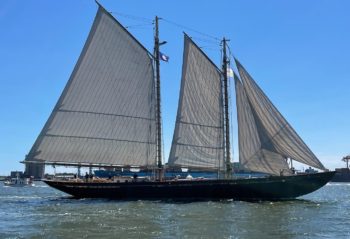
(19,182)
(109,115)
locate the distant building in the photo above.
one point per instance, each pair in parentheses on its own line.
(14,174)
(35,170)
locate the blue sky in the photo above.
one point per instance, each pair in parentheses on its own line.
(297,51)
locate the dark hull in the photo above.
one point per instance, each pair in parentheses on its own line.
(269,188)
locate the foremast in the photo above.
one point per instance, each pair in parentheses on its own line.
(157,44)
(226,119)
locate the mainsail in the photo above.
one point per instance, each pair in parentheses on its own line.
(198,137)
(266,139)
(106,113)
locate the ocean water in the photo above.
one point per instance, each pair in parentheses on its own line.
(43,212)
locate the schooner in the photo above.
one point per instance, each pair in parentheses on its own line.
(109,116)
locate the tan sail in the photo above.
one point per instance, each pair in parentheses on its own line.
(268,126)
(198,137)
(106,113)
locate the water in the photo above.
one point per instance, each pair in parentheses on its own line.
(43,212)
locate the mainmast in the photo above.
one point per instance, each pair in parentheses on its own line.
(158,109)
(225,64)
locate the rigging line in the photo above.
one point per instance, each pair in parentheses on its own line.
(151,21)
(163,155)
(161,130)
(205,40)
(138,25)
(209,48)
(141,19)
(191,29)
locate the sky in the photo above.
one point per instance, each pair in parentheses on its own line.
(296,50)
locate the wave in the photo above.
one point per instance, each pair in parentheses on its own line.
(18,197)
(338,184)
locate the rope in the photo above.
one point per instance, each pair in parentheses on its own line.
(191,29)
(138,25)
(140,19)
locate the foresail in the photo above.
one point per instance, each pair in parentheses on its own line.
(252,156)
(106,113)
(275,133)
(198,136)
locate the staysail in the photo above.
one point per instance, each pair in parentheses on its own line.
(106,113)
(266,139)
(252,154)
(198,137)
